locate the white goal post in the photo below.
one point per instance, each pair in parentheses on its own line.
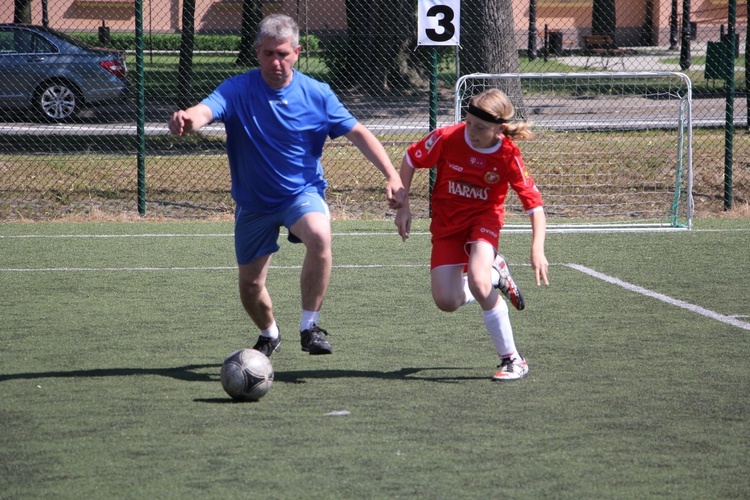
(613,151)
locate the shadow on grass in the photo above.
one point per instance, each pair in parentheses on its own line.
(192,373)
(187,373)
(300,377)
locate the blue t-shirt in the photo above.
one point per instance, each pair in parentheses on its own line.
(275,137)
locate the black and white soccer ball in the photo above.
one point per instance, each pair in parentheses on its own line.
(247,375)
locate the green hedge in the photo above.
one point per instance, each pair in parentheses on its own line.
(126,41)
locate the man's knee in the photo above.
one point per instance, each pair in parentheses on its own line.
(250,287)
(315,232)
(319,242)
(252,279)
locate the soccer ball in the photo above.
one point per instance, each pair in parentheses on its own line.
(246,375)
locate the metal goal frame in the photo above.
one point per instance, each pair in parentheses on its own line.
(663,90)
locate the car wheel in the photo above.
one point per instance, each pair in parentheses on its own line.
(57,101)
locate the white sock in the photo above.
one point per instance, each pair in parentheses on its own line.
(308,319)
(271,332)
(468,296)
(497,321)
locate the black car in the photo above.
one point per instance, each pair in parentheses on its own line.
(56,74)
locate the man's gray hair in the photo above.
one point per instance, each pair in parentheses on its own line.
(278,27)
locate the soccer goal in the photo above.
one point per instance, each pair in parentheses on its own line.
(613,151)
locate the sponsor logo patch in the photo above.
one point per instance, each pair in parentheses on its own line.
(477,162)
(468,190)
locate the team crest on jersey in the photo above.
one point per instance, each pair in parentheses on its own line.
(491,177)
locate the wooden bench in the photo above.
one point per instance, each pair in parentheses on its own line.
(598,44)
(603,47)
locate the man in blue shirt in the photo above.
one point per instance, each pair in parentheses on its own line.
(277,121)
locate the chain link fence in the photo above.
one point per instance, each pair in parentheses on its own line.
(75,140)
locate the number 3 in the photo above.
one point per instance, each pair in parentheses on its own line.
(445,22)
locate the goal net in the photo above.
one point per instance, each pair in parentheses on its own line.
(612,150)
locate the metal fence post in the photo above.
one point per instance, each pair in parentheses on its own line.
(433,110)
(141,107)
(729,113)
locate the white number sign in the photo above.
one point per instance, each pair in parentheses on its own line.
(439,22)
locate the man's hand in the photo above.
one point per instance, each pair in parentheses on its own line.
(395,193)
(180,123)
(190,120)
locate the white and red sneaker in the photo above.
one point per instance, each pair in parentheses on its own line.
(514,368)
(506,285)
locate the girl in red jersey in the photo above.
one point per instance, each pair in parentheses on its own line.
(476,163)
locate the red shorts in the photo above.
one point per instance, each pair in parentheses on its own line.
(453,248)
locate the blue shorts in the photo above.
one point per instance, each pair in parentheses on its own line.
(256,235)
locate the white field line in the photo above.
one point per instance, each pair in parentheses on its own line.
(729,320)
(106,236)
(197,268)
(507,229)
(176,235)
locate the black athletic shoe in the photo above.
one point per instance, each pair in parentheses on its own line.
(313,340)
(267,345)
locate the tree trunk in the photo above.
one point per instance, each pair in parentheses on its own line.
(22,12)
(673,28)
(380,55)
(650,37)
(604,18)
(185,67)
(363,60)
(488,41)
(252,14)
(685,54)
(488,44)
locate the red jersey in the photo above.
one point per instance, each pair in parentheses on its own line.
(471,183)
